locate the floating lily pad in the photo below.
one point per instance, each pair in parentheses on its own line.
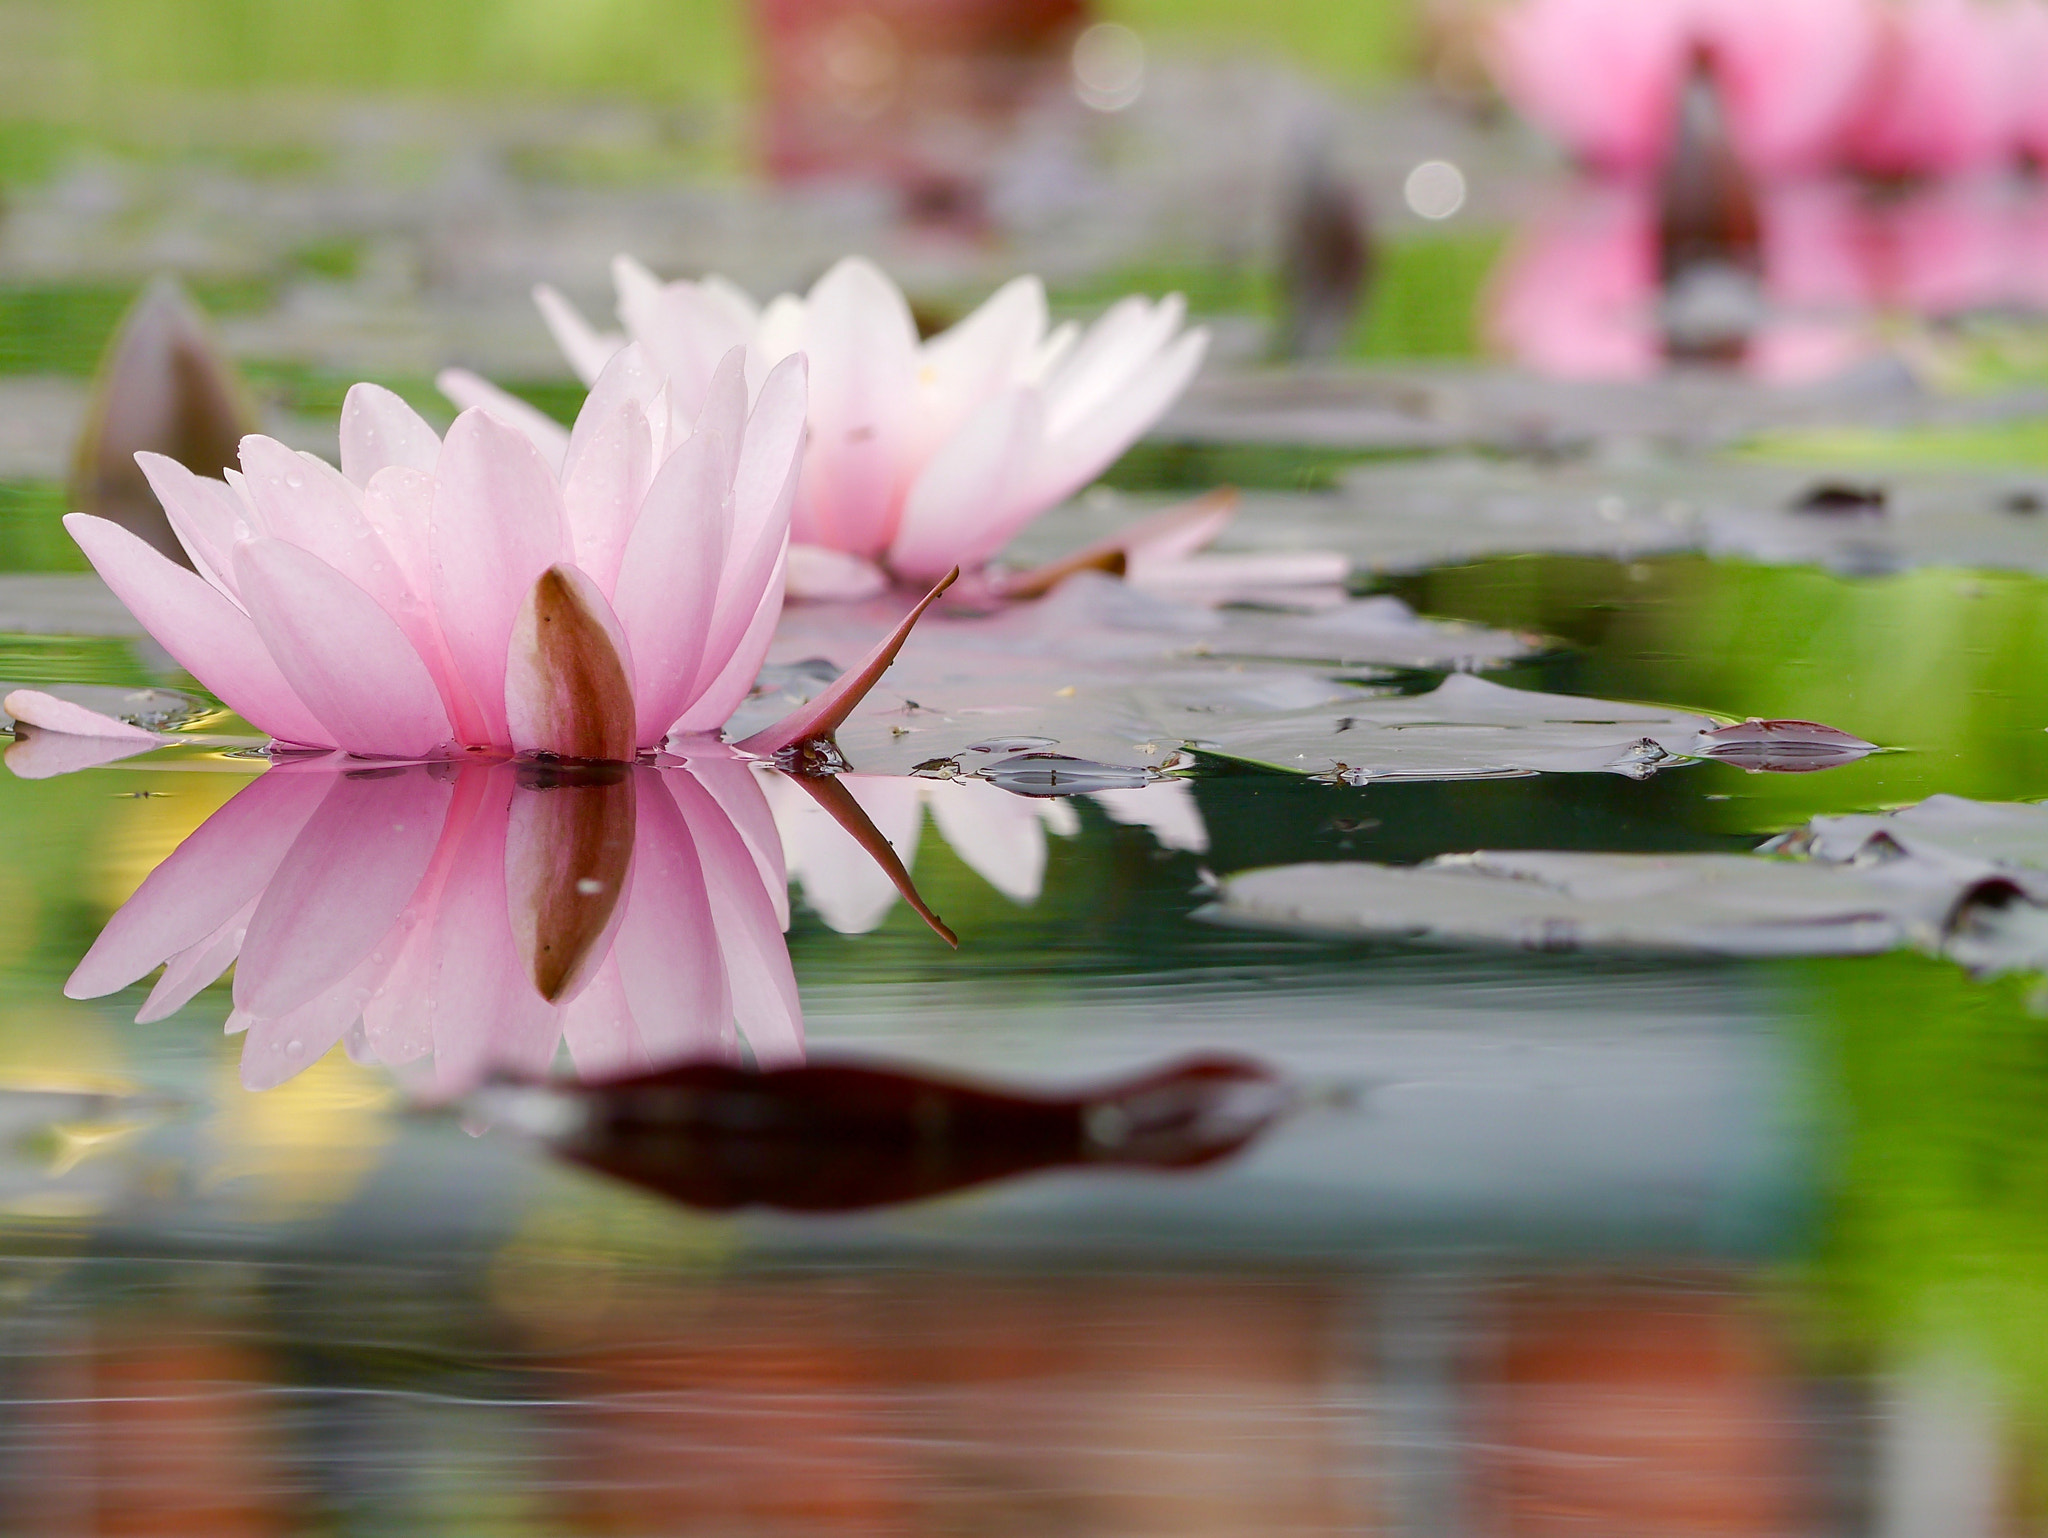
(1728,904)
(1963,879)
(1405,517)
(1097,671)
(1423,407)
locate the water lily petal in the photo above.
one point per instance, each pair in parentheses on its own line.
(990,350)
(208,636)
(378,429)
(205,514)
(470,392)
(609,464)
(1082,450)
(833,575)
(668,584)
(51,714)
(497,525)
(341,886)
(863,361)
(217,871)
(687,327)
(717,700)
(197,967)
(749,931)
(667,946)
(587,349)
(344,656)
(969,500)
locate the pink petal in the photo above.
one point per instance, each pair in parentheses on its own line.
(764,490)
(716,702)
(484,1009)
(550,439)
(670,965)
(307,503)
(202,884)
(379,430)
(1083,450)
(341,886)
(818,573)
(211,639)
(587,349)
(735,783)
(863,359)
(206,516)
(821,716)
(609,465)
(756,958)
(497,525)
(687,330)
(54,715)
(398,502)
(599,1029)
(277,1050)
(195,968)
(343,654)
(992,349)
(967,503)
(668,582)
(35,755)
(568,673)
(1128,336)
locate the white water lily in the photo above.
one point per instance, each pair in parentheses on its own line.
(921,455)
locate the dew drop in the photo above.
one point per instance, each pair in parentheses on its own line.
(294,1047)
(294,480)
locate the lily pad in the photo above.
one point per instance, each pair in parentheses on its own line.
(1730,904)
(1963,879)
(1099,672)
(1405,517)
(1423,407)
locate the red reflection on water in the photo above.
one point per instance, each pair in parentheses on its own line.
(917,95)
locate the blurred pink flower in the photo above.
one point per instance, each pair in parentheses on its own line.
(1603,76)
(468,918)
(1939,97)
(921,455)
(483,592)
(1577,294)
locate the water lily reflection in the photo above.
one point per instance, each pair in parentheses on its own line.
(1001,837)
(461,920)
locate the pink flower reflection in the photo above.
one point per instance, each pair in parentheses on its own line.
(1603,76)
(464,919)
(1577,295)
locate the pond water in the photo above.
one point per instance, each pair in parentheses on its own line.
(1502,1241)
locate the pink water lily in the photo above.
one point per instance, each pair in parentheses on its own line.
(1603,76)
(921,455)
(475,593)
(468,919)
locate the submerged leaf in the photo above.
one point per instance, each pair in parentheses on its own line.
(842,1137)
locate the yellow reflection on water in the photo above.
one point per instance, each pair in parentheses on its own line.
(304,1146)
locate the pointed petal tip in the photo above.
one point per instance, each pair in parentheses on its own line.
(823,715)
